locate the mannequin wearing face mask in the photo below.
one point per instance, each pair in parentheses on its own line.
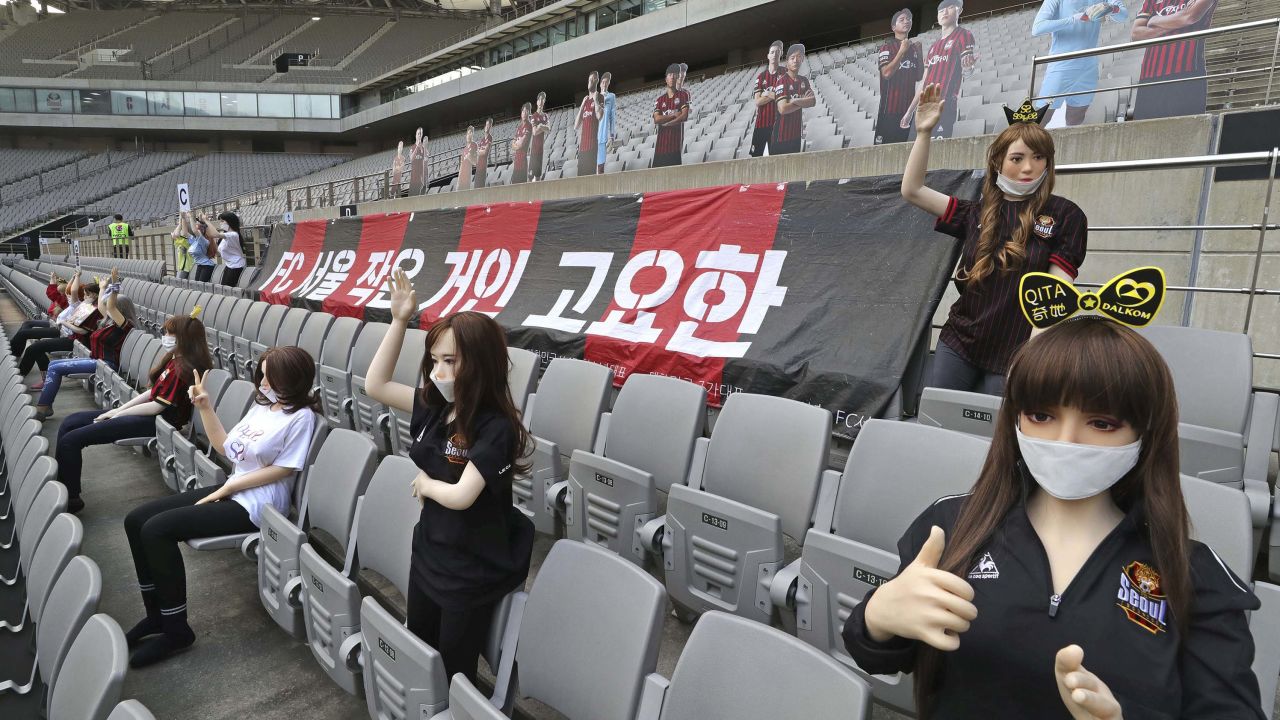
(227,235)
(1017,226)
(265,450)
(471,546)
(1066,585)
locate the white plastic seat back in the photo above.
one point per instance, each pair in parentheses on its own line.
(88,685)
(522,375)
(360,410)
(564,417)
(894,471)
(648,447)
(242,341)
(268,328)
(408,371)
(334,373)
(73,599)
(59,543)
(736,668)
(314,332)
(966,412)
(342,469)
(581,595)
(131,710)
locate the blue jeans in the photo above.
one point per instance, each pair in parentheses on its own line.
(59,368)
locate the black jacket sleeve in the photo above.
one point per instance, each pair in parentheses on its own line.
(898,654)
(1217,652)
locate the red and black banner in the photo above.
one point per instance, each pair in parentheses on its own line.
(814,291)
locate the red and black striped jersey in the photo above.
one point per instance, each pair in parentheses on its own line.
(1180,57)
(944,61)
(790,125)
(669,136)
(520,145)
(536,119)
(587,140)
(767,114)
(897,90)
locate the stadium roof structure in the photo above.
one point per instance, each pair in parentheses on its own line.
(477,9)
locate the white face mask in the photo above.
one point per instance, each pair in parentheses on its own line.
(168,342)
(269,394)
(1019,189)
(224,227)
(1070,471)
(445,387)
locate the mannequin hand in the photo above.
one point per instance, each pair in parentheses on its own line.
(1086,696)
(105,416)
(199,397)
(212,497)
(923,603)
(404,302)
(929,108)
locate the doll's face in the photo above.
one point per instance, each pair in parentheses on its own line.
(1021,163)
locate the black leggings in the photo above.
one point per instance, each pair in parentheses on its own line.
(155,528)
(37,353)
(31,330)
(203,273)
(231,276)
(459,636)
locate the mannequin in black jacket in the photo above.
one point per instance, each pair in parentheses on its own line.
(1066,584)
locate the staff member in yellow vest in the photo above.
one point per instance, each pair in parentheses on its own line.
(120,234)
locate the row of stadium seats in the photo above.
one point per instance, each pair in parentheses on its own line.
(761,475)
(66,661)
(217,46)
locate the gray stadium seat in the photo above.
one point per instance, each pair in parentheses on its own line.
(1220,518)
(887,482)
(266,337)
(290,328)
(229,408)
(241,341)
(334,373)
(563,416)
(522,375)
(131,710)
(468,703)
(73,598)
(966,412)
(392,423)
(760,479)
(735,668)
(580,595)
(644,445)
(339,475)
(89,681)
(177,461)
(381,541)
(55,547)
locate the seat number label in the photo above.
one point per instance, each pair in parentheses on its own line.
(715,522)
(970,414)
(390,651)
(604,479)
(271,533)
(868,577)
(316,582)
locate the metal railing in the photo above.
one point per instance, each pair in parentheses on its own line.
(1270,70)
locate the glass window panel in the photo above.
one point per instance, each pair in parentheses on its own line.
(239,105)
(277,106)
(128,102)
(606,16)
(95,102)
(334,110)
(6,100)
(537,40)
(203,103)
(558,33)
(165,102)
(629,9)
(24,99)
(55,101)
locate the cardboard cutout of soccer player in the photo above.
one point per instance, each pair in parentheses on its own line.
(1074,25)
(685,99)
(606,116)
(467,159)
(1172,60)
(541,126)
(397,171)
(586,123)
(520,146)
(482,154)
(901,63)
(766,99)
(794,95)
(418,164)
(952,57)
(669,113)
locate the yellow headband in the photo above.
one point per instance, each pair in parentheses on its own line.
(1133,297)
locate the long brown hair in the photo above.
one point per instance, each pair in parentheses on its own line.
(1098,366)
(292,374)
(480,382)
(190,350)
(991,255)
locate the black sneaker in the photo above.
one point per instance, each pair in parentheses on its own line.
(75,505)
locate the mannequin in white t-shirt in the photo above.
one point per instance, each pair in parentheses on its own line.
(266,450)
